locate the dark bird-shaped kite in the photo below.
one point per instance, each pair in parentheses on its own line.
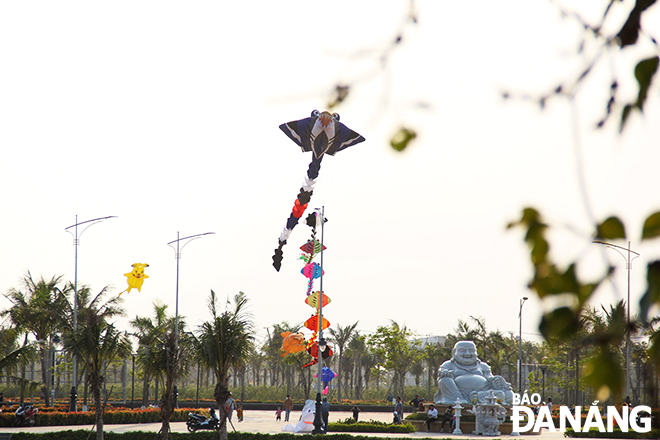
(322,134)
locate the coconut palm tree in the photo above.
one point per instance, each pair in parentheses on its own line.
(13,355)
(224,342)
(148,332)
(37,310)
(162,355)
(341,338)
(171,355)
(97,343)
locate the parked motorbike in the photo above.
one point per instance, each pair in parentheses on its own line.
(197,421)
(26,415)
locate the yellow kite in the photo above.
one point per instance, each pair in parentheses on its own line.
(136,277)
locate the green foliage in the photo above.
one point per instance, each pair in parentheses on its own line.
(121,416)
(604,369)
(651,228)
(644,72)
(393,345)
(402,138)
(349,425)
(611,229)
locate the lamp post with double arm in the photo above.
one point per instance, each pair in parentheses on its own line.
(628,268)
(73,230)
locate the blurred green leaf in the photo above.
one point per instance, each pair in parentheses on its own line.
(644,72)
(624,115)
(611,228)
(402,138)
(560,323)
(652,294)
(604,370)
(549,281)
(651,227)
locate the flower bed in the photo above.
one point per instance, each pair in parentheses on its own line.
(57,418)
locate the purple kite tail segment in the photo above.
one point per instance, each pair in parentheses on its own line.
(321,133)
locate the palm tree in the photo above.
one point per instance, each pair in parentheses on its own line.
(12,356)
(172,356)
(341,337)
(148,332)
(97,343)
(37,310)
(224,342)
(162,355)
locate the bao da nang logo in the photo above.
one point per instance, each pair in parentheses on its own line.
(625,418)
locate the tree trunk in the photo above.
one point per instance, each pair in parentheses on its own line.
(167,409)
(145,390)
(98,410)
(44,376)
(221,394)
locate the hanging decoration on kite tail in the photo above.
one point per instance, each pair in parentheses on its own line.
(326,376)
(321,133)
(136,277)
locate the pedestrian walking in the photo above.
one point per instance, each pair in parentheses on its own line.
(278,414)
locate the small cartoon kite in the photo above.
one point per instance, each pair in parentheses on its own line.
(321,133)
(292,343)
(326,376)
(136,277)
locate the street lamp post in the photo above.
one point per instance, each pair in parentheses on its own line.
(133,382)
(522,301)
(76,243)
(543,368)
(178,257)
(318,421)
(628,268)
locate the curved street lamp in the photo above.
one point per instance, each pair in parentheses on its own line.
(178,250)
(76,242)
(628,268)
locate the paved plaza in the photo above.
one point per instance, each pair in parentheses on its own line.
(264,422)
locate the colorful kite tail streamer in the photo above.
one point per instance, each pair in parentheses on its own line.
(300,204)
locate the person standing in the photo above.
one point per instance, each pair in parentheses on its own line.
(356,412)
(278,414)
(398,411)
(325,412)
(288,406)
(231,406)
(432,417)
(239,413)
(415,403)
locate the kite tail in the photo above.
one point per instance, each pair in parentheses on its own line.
(298,210)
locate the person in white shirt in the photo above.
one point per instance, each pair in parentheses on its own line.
(432,416)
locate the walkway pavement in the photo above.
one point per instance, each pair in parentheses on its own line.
(264,422)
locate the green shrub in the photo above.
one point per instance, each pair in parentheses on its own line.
(111,416)
(350,425)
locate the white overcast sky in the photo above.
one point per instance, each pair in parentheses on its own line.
(166,115)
